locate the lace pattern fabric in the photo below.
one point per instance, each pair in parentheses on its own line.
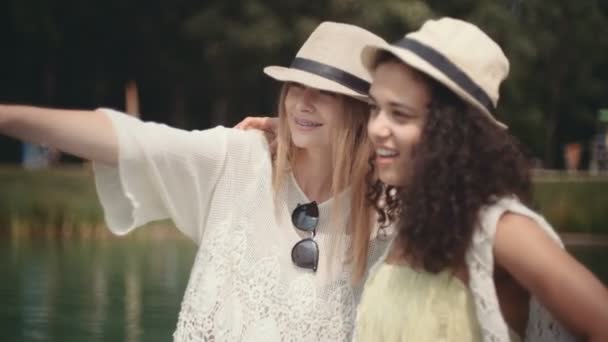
(480,259)
(231,297)
(216,186)
(542,326)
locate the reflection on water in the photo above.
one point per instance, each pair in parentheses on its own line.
(92,290)
(112,289)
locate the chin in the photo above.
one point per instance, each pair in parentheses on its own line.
(309,141)
(390,178)
(300,142)
(307,144)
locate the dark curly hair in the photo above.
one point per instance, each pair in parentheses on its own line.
(462,163)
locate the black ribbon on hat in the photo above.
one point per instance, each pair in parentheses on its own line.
(337,75)
(449,69)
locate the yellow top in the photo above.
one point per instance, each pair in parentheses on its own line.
(402,304)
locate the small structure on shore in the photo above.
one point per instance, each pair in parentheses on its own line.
(599,144)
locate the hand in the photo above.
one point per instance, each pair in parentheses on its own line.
(268,125)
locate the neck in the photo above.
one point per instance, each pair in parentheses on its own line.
(312,170)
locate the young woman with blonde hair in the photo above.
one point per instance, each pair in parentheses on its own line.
(273,234)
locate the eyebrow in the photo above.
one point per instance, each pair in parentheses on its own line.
(394,104)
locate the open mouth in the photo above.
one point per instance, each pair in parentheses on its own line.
(385,155)
(306,124)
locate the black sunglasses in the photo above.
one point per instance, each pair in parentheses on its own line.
(305,253)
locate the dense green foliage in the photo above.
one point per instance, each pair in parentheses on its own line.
(198,63)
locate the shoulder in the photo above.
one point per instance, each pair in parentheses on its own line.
(512,221)
(252,140)
(524,239)
(515,218)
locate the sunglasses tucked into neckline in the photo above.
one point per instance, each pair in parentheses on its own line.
(305,253)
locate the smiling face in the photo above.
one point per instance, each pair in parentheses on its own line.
(400,98)
(312,115)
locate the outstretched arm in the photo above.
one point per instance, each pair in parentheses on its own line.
(83,133)
(561,283)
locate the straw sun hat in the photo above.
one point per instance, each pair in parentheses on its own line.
(329,61)
(455,53)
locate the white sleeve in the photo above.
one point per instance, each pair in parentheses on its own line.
(162,172)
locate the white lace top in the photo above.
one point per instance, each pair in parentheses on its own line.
(542,327)
(216,186)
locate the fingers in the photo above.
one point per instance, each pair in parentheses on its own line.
(273,147)
(244,124)
(271,124)
(268,126)
(253,122)
(270,136)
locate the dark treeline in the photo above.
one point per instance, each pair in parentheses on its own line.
(199,63)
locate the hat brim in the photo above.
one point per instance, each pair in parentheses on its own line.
(369,56)
(308,79)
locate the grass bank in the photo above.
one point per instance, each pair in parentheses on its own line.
(573,203)
(62,201)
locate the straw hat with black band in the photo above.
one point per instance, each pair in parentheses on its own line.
(328,61)
(455,53)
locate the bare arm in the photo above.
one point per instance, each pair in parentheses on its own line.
(83,133)
(562,284)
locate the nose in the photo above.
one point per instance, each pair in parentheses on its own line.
(306,100)
(378,126)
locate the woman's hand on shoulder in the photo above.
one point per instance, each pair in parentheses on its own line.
(268,125)
(562,284)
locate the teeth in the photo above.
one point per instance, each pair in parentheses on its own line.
(384,152)
(307,123)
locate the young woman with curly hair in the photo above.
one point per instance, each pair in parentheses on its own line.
(469,260)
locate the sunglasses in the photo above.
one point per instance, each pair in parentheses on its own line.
(305,253)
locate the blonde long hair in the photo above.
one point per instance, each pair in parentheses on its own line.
(351,150)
